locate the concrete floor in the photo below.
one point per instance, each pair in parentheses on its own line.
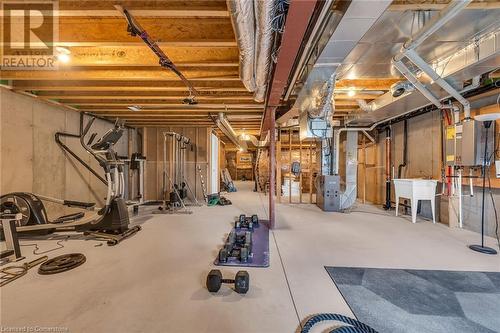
(154,281)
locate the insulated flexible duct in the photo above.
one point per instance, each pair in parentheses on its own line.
(226,128)
(264,14)
(257,143)
(243,21)
(322,107)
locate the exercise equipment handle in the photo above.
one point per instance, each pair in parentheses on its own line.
(71,203)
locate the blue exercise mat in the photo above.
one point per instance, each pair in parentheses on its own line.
(260,249)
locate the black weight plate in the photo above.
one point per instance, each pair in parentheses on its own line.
(61,263)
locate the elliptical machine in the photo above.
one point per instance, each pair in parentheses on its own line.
(111,222)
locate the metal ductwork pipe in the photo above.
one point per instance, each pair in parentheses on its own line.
(264,13)
(257,143)
(348,197)
(226,128)
(243,20)
(408,51)
(323,107)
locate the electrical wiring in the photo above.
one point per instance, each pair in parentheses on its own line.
(59,246)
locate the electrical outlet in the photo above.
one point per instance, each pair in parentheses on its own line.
(497,168)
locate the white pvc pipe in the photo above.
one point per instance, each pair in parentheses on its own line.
(460,213)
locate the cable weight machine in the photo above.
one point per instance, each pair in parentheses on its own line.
(175,188)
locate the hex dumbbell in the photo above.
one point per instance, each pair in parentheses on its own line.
(241,281)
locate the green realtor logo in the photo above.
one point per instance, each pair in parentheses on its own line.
(29,32)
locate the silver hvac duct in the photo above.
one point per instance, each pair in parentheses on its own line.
(243,20)
(264,13)
(226,128)
(348,197)
(324,104)
(257,143)
(408,51)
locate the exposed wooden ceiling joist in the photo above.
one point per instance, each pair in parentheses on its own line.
(403,5)
(131,94)
(110,70)
(121,85)
(142,56)
(122,73)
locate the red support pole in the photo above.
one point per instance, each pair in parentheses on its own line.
(272,166)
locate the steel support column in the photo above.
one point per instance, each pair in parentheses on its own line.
(272,167)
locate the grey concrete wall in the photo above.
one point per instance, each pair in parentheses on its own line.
(31,160)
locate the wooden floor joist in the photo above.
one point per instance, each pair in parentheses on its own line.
(110,71)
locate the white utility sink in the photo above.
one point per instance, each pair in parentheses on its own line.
(415,190)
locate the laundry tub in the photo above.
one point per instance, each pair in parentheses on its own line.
(415,190)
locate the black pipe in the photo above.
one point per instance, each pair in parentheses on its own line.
(67,149)
(405,148)
(387,204)
(431,108)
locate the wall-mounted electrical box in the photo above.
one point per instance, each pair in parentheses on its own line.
(465,143)
(473,142)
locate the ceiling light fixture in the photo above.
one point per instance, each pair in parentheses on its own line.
(134,108)
(63,54)
(351,92)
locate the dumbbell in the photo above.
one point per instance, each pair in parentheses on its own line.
(241,221)
(241,281)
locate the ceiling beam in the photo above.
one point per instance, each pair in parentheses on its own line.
(115,85)
(142,56)
(176,112)
(126,74)
(113,30)
(140,94)
(213,104)
(366,83)
(193,5)
(175,98)
(98,109)
(398,6)
(163,13)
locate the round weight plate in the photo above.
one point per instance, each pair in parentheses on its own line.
(16,204)
(62,263)
(242,218)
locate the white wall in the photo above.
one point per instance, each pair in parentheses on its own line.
(31,161)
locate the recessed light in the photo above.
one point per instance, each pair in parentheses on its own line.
(134,108)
